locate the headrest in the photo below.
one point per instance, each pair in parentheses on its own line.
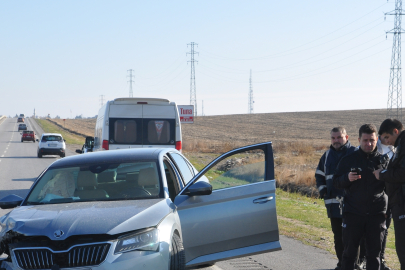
(148,177)
(86,179)
(131,177)
(107,177)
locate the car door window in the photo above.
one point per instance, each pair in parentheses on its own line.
(171,180)
(183,167)
(238,170)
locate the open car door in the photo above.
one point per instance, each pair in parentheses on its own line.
(239,217)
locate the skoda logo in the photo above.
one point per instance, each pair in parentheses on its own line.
(58,233)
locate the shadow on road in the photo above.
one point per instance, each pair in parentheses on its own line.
(25,179)
(20,192)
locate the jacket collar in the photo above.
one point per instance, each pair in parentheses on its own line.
(372,154)
(344,147)
(401,135)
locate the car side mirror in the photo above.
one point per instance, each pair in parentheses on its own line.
(79,151)
(10,201)
(199,188)
(64,140)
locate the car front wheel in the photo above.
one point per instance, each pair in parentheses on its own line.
(177,256)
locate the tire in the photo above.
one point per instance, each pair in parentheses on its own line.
(177,256)
(39,155)
(22,140)
(62,155)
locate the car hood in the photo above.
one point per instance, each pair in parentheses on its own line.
(82,218)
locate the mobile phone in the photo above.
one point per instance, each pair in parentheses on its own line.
(355,170)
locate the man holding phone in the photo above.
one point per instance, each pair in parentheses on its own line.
(365,201)
(393,133)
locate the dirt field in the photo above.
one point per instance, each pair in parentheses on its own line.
(243,129)
(299,138)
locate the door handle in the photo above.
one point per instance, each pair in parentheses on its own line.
(263,200)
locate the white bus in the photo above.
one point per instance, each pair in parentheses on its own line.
(138,122)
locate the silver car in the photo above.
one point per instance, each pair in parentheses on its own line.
(143,209)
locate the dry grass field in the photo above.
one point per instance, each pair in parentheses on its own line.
(299,138)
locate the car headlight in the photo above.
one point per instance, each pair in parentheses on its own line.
(146,240)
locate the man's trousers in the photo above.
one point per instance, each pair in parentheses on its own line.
(354,228)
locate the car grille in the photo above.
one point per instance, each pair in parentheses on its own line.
(43,258)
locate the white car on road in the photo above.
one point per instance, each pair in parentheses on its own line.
(51,144)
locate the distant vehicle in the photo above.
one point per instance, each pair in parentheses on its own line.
(142,207)
(51,144)
(22,115)
(87,146)
(136,123)
(28,135)
(20,119)
(22,127)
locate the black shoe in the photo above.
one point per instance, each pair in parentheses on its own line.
(384,266)
(337,267)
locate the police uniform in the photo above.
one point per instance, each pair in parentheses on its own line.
(364,207)
(323,175)
(394,178)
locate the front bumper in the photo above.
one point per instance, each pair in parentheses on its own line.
(145,260)
(51,151)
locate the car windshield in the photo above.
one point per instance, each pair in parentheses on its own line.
(98,182)
(51,138)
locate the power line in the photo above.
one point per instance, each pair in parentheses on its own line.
(193,93)
(131,93)
(394,104)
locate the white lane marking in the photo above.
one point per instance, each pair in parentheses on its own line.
(216,267)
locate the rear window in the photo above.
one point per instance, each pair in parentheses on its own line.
(125,131)
(28,132)
(158,131)
(140,131)
(51,138)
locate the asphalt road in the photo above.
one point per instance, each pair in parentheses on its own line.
(19,167)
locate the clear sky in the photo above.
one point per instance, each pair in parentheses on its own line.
(60,56)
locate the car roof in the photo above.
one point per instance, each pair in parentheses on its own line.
(112,156)
(51,134)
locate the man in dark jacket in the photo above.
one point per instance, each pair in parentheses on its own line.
(393,133)
(340,146)
(365,202)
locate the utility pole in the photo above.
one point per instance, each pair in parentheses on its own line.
(202,108)
(193,93)
(101,100)
(394,106)
(131,94)
(250,105)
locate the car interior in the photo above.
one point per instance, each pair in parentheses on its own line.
(120,182)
